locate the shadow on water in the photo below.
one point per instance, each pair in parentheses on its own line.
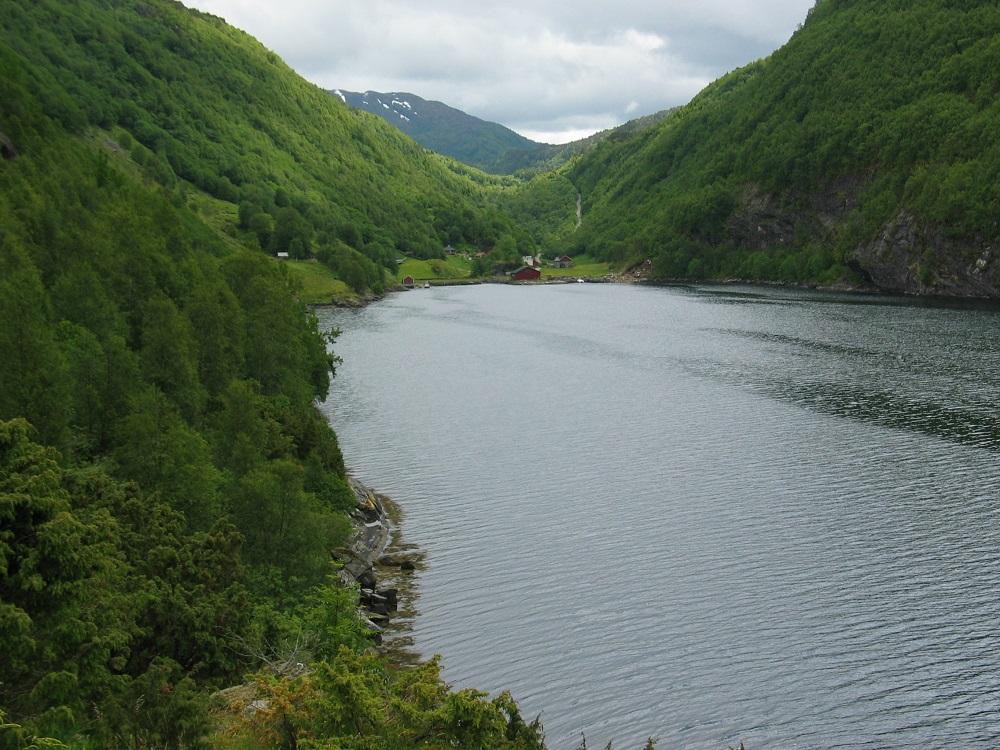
(888,409)
(822,346)
(777,295)
(882,360)
(913,400)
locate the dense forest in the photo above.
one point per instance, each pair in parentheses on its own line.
(866,151)
(169,493)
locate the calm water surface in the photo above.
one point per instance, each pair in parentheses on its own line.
(713,515)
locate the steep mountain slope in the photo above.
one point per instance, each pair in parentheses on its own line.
(549,206)
(560,155)
(201,105)
(867,149)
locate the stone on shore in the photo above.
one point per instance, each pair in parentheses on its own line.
(403,563)
(391,597)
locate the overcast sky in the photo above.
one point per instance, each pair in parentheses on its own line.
(553,70)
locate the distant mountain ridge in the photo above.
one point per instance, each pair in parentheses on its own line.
(490,146)
(449,131)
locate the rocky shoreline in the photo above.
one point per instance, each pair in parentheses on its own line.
(375,559)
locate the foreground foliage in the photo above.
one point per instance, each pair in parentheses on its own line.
(169,493)
(352,702)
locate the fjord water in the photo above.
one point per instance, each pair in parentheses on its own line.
(709,514)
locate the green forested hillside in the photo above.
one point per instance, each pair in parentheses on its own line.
(169,493)
(867,149)
(200,107)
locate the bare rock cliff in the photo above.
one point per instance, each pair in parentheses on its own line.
(911,258)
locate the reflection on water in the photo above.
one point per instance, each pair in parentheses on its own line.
(712,515)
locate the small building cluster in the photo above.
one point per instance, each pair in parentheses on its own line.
(529,270)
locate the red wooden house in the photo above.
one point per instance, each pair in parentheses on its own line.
(526,273)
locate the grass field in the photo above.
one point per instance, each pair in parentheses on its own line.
(583,267)
(452,267)
(319,285)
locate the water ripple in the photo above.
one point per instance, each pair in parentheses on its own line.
(712,516)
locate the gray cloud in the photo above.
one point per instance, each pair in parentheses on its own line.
(549,68)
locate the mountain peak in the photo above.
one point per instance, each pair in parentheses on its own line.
(449,131)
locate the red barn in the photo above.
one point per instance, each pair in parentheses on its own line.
(408,282)
(526,273)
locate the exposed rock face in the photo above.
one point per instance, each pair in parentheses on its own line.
(907,256)
(764,220)
(371,535)
(7,150)
(910,258)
